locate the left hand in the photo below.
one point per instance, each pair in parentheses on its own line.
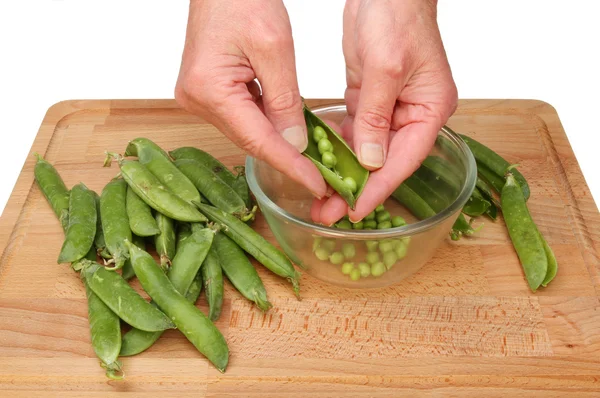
(400,92)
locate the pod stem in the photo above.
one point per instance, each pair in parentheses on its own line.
(247,215)
(240,170)
(296,285)
(110,156)
(114,371)
(263,305)
(118,260)
(509,169)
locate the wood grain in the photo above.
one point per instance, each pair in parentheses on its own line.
(465,325)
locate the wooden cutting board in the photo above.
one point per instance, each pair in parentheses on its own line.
(465,325)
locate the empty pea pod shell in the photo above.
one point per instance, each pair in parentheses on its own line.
(347,163)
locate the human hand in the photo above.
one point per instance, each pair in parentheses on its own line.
(228,45)
(400,92)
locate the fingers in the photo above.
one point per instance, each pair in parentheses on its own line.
(408,148)
(276,71)
(373,118)
(251,130)
(315,210)
(332,210)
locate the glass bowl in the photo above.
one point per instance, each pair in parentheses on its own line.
(402,250)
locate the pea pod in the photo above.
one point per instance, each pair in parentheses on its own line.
(217,192)
(81,230)
(552,263)
(346,166)
(165,241)
(526,239)
(158,162)
(445,170)
(240,271)
(99,242)
(116,293)
(115,223)
(127,271)
(105,331)
(195,326)
(490,177)
(195,288)
(140,217)
(53,188)
(183,275)
(495,163)
(240,185)
(212,276)
(155,194)
(476,204)
(413,202)
(254,244)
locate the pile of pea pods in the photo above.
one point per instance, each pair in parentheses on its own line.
(194,214)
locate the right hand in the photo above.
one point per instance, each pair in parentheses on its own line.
(228,45)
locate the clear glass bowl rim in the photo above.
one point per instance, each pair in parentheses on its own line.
(397,232)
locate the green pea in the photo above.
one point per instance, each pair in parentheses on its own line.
(372,257)
(355,274)
(368,229)
(324,146)
(348,250)
(378,269)
(351,183)
(386,246)
(389,259)
(370,216)
(396,243)
(401,251)
(358,225)
(322,254)
(405,240)
(384,225)
(347,268)
(372,245)
(329,160)
(319,133)
(372,224)
(336,258)
(365,269)
(398,221)
(328,244)
(379,208)
(316,243)
(383,216)
(344,224)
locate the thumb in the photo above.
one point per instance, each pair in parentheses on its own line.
(281,97)
(373,118)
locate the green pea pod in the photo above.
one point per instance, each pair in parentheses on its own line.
(217,192)
(347,163)
(413,202)
(115,223)
(195,288)
(140,217)
(495,163)
(486,191)
(212,276)
(207,160)
(99,242)
(158,162)
(476,204)
(462,227)
(492,212)
(552,263)
(154,193)
(183,231)
(81,230)
(190,256)
(523,232)
(240,185)
(194,325)
(116,293)
(254,244)
(165,241)
(240,272)
(444,170)
(53,188)
(492,179)
(183,274)
(105,331)
(127,271)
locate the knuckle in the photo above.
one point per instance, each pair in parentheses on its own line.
(375,119)
(191,86)
(287,100)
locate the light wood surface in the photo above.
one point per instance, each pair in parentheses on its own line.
(465,325)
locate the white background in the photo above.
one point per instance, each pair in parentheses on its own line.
(77,49)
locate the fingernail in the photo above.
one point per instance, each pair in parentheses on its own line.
(316,195)
(329,191)
(371,154)
(296,136)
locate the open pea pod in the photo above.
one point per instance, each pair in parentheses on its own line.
(476,205)
(347,163)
